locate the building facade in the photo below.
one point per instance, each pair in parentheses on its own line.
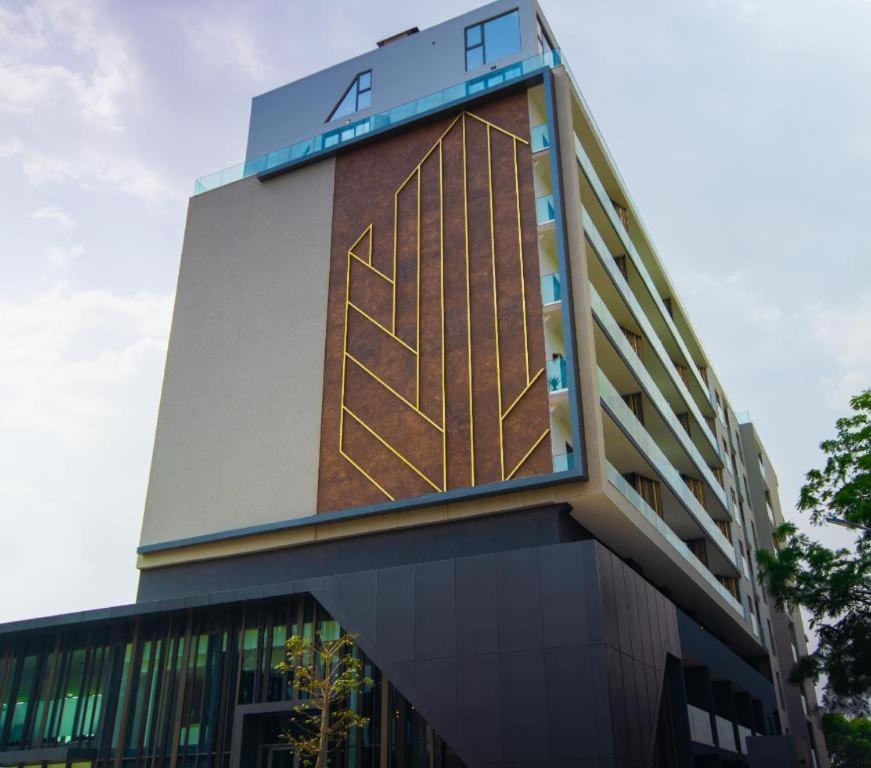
(428,382)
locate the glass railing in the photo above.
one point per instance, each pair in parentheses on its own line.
(634,498)
(725,734)
(618,339)
(744,733)
(563,462)
(556,374)
(615,404)
(551,290)
(544,211)
(540,137)
(641,318)
(378,122)
(605,201)
(700,726)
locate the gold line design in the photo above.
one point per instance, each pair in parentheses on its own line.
(360,252)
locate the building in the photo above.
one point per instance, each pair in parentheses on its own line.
(428,381)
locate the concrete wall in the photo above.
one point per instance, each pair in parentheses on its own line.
(239,422)
(402,71)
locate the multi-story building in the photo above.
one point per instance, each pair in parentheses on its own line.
(428,382)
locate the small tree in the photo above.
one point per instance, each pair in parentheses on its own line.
(849,741)
(329,672)
(833,585)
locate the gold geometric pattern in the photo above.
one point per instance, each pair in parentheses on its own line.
(432,412)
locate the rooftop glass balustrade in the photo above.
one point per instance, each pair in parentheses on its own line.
(346,134)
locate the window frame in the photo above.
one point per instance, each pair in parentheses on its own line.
(358,91)
(480,25)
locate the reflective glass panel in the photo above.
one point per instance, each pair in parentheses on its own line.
(502,36)
(475,57)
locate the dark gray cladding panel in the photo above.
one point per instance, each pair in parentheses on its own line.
(516,529)
(501,654)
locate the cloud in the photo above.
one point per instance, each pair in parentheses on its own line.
(54,214)
(63,255)
(53,29)
(843,333)
(88,167)
(78,399)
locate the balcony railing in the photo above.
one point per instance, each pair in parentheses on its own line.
(544,210)
(605,201)
(618,339)
(726,734)
(556,374)
(551,290)
(540,137)
(563,462)
(648,447)
(351,132)
(634,498)
(607,260)
(700,726)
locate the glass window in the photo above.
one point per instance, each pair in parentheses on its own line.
(492,40)
(357,97)
(541,38)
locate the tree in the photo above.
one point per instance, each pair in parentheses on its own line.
(327,671)
(833,585)
(849,741)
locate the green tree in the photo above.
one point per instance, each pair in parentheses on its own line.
(833,585)
(848,740)
(327,671)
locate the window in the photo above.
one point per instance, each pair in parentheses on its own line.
(357,97)
(541,38)
(492,40)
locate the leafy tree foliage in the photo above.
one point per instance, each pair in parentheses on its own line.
(328,672)
(833,585)
(849,741)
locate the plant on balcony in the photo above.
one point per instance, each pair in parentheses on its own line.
(554,382)
(833,585)
(328,672)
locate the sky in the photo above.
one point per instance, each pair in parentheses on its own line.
(741,129)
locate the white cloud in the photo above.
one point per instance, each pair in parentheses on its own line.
(50,29)
(63,255)
(78,398)
(89,167)
(54,214)
(844,334)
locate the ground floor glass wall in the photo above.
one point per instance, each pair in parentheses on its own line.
(168,689)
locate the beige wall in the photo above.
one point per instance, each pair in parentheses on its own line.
(239,422)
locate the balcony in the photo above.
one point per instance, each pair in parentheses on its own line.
(629,247)
(653,455)
(347,134)
(621,484)
(615,334)
(606,259)
(544,210)
(539,138)
(563,462)
(551,289)
(557,381)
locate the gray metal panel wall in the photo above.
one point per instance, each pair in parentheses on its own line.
(532,656)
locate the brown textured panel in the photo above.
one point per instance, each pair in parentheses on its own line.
(433,368)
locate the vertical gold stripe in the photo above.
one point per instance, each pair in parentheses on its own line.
(442,289)
(395,246)
(495,308)
(417,331)
(520,256)
(344,354)
(468,311)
